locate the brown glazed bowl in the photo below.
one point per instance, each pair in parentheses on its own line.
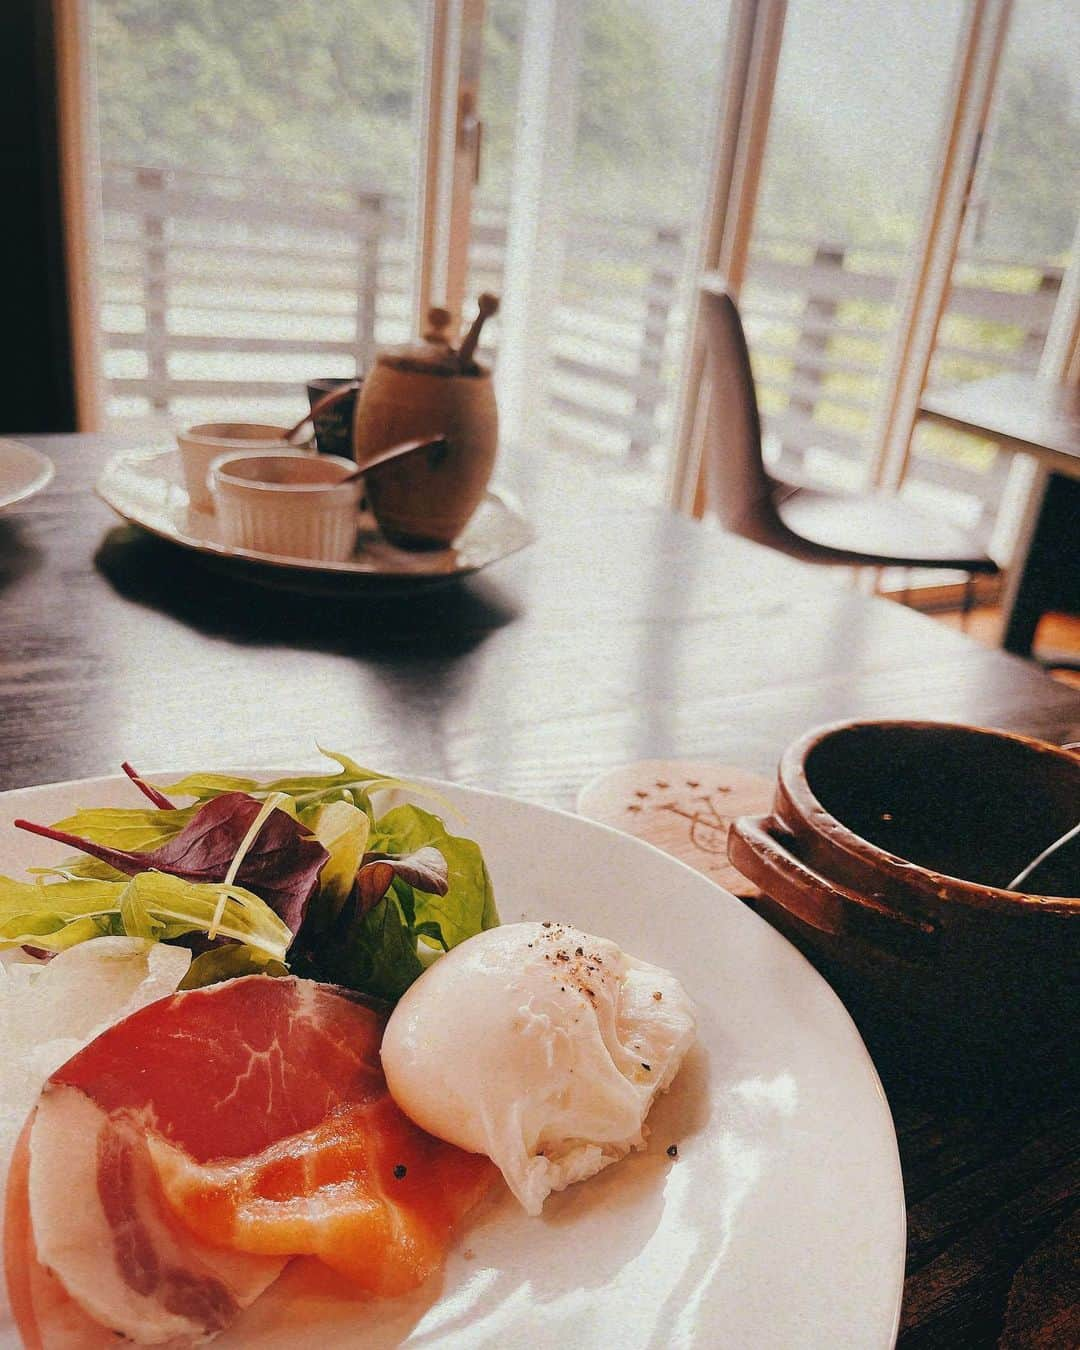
(886,859)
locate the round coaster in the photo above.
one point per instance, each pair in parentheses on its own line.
(683,807)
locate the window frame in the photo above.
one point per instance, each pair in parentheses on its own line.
(755,37)
(447,128)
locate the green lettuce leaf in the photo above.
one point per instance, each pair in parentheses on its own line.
(151,905)
(343,830)
(352,782)
(79,868)
(157,905)
(119,827)
(305,789)
(57,916)
(205,786)
(468,906)
(376,952)
(228,963)
(115,827)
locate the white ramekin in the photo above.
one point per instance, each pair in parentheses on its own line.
(291,504)
(201,445)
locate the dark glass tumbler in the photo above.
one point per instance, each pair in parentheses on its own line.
(334,425)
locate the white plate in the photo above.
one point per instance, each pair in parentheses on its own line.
(147,489)
(23,471)
(781,1222)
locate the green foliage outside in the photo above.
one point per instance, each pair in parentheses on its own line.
(328,91)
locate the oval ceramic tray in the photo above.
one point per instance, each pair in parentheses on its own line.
(147,489)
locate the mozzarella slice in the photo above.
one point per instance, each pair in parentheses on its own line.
(50,1010)
(100,1226)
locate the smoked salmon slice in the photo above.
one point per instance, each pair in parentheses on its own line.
(367,1192)
(214,1134)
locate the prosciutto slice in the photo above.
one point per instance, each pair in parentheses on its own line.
(179,1160)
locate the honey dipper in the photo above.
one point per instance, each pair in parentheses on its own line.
(487,304)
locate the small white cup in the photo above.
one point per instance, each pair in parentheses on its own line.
(288,503)
(201,445)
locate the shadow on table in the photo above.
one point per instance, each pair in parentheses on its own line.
(448,619)
(18,558)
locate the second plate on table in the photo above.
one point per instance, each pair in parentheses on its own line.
(23,471)
(147,489)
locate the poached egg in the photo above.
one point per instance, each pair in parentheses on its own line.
(541,1046)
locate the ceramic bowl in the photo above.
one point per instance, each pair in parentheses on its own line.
(293,505)
(201,445)
(888,858)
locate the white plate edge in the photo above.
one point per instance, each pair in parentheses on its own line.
(46,472)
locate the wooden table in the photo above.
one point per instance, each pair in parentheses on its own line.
(624,633)
(1040,418)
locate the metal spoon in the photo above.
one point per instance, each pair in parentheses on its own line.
(327,400)
(1051,849)
(434,443)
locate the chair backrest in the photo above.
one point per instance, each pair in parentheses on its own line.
(737,489)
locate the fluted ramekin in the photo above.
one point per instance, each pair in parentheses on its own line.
(201,445)
(294,505)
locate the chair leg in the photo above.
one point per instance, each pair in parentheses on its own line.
(969,600)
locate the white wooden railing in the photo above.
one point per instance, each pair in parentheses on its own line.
(820,318)
(219,292)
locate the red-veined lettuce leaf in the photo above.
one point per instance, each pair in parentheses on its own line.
(282,865)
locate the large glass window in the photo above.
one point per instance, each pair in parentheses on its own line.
(644,88)
(852,147)
(503,20)
(258,163)
(1018,237)
(647,90)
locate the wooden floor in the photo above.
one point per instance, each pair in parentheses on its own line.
(1059,633)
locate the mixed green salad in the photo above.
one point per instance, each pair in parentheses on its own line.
(300,875)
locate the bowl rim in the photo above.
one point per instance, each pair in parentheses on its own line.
(220,477)
(939,886)
(275,435)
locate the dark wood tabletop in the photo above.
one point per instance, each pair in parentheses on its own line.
(623,633)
